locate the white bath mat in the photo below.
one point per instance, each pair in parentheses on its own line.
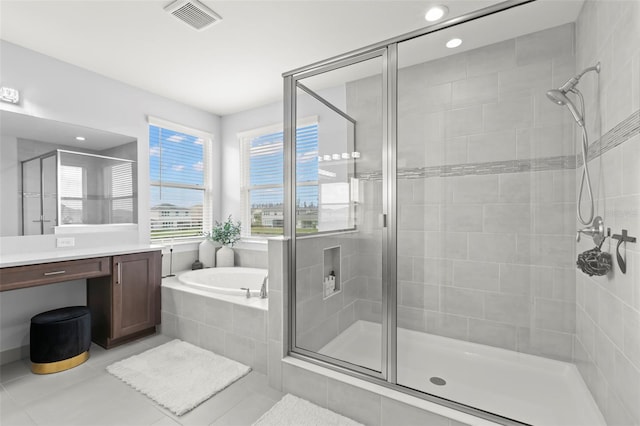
(178,375)
(294,411)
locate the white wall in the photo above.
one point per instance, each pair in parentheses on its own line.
(59,91)
(9,170)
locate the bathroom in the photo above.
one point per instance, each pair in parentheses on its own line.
(481,188)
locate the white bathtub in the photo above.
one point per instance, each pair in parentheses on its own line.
(207,308)
(528,388)
(227,281)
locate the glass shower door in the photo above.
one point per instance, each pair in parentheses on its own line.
(39,195)
(339,201)
(31,197)
(49,194)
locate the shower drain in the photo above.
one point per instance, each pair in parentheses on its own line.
(438,381)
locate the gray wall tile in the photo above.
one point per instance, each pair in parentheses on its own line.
(356,403)
(397,413)
(462,302)
(545,45)
(305,384)
(492,333)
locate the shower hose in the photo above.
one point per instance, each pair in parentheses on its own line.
(585,170)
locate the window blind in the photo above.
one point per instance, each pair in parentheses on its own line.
(177,172)
(72,194)
(262,167)
(122,193)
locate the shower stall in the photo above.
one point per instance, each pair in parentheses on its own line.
(440,259)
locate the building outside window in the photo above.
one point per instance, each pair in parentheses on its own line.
(180,176)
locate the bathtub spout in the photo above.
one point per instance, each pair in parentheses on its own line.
(263,289)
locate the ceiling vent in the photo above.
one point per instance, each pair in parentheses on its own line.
(193,13)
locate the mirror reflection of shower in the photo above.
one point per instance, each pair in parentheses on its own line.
(559,97)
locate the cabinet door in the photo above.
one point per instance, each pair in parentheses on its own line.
(135,290)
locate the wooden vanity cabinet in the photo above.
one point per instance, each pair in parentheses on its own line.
(126,304)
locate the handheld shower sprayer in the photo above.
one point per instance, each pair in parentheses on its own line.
(559,97)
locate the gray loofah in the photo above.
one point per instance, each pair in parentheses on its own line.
(594,262)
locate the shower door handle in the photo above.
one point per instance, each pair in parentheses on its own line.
(384,220)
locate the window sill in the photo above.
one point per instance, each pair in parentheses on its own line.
(179,245)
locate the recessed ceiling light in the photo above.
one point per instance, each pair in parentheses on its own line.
(436,12)
(454,42)
(80,138)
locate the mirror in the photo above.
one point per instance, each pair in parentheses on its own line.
(56,175)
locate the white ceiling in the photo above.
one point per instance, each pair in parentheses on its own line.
(237,63)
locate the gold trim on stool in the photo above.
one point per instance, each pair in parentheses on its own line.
(57,366)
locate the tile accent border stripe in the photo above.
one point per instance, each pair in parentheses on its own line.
(625,130)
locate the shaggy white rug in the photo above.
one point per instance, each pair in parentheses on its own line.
(178,375)
(294,411)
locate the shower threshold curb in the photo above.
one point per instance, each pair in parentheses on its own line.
(422,404)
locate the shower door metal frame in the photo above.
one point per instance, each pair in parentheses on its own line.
(40,159)
(389,49)
(291,86)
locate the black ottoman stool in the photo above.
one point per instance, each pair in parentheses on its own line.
(60,339)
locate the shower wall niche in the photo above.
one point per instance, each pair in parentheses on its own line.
(66,188)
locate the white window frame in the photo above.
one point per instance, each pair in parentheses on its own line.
(243,139)
(207,164)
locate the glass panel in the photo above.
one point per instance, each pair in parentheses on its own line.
(483,158)
(176,212)
(262,165)
(96,189)
(49,195)
(339,190)
(31,197)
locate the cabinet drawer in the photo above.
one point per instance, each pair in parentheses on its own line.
(55,272)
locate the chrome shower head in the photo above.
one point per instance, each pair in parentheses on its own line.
(559,97)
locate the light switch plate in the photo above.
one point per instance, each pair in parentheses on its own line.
(65,242)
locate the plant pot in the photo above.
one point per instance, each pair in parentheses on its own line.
(207,253)
(224,257)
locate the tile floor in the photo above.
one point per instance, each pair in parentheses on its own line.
(87,395)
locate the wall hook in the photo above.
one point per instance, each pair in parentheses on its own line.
(622,238)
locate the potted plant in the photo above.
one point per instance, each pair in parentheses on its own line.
(226,233)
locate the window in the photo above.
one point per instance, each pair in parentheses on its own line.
(180,180)
(121,190)
(72,194)
(262,172)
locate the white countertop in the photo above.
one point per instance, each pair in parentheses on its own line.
(62,254)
